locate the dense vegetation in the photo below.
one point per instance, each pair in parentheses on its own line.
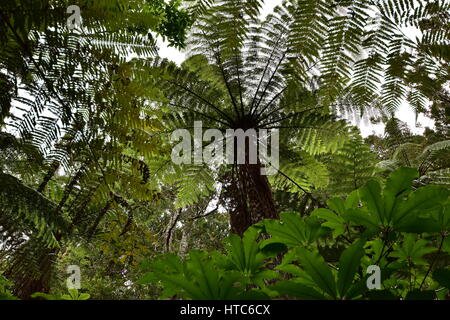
(86,170)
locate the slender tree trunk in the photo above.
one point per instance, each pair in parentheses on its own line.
(186,235)
(168,232)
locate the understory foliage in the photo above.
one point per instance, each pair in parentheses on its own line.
(325,255)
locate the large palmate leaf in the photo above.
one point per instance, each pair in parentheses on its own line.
(412,250)
(292,230)
(246,257)
(314,279)
(333,221)
(381,204)
(197,278)
(72,295)
(399,207)
(204,276)
(244,252)
(338,216)
(319,271)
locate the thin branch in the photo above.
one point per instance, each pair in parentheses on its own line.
(206,214)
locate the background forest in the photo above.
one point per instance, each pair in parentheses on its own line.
(87,178)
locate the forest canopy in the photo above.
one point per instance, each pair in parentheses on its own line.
(237,174)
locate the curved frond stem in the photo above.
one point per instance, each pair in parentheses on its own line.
(202,99)
(199,113)
(263,75)
(219,62)
(288,116)
(279,94)
(271,101)
(239,82)
(297,185)
(270,81)
(291,127)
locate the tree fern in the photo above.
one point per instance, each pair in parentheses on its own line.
(351,167)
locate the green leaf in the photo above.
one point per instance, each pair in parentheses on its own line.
(333,221)
(363,218)
(84,296)
(252,295)
(293,230)
(370,195)
(73,294)
(166,264)
(421,295)
(273,249)
(319,271)
(352,200)
(381,295)
(398,182)
(212,276)
(412,250)
(446,245)
(47,296)
(420,202)
(357,289)
(296,290)
(337,205)
(244,252)
(348,266)
(416,224)
(442,276)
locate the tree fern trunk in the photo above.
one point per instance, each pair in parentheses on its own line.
(252,198)
(32,276)
(27,284)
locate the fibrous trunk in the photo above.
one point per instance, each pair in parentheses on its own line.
(32,276)
(251,198)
